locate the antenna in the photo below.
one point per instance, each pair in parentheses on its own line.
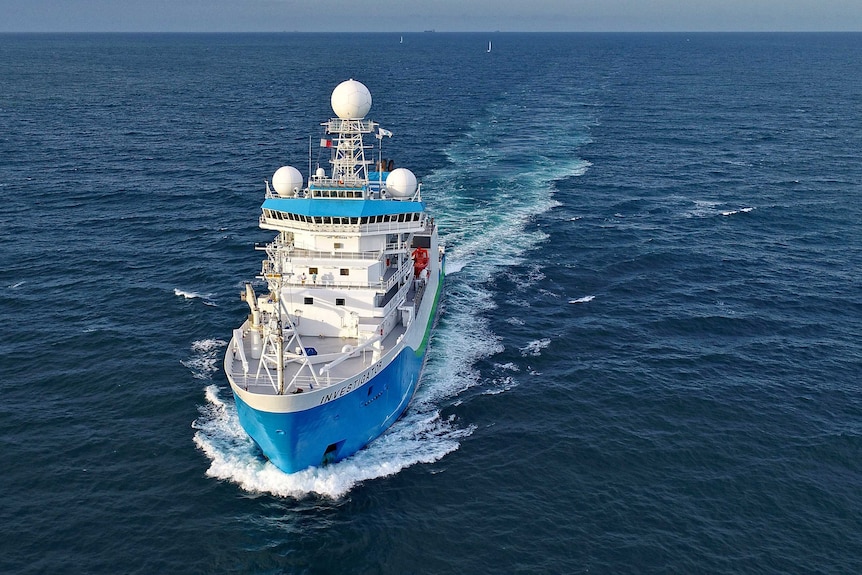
(379,137)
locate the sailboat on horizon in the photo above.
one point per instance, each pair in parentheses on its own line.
(489,46)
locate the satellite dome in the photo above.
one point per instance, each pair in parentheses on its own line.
(401,183)
(351,100)
(286,180)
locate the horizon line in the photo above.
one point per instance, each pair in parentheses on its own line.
(429,32)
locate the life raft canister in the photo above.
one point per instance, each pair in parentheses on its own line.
(420,260)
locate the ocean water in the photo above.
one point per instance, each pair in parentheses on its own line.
(648,355)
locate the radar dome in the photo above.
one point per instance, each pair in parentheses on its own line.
(351,100)
(286,180)
(401,183)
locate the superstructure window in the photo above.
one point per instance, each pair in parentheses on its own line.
(344,271)
(309,301)
(339,301)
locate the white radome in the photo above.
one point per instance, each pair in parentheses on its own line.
(351,100)
(286,180)
(401,183)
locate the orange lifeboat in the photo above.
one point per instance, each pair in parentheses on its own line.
(420,260)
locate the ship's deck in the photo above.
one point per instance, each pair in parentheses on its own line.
(256,378)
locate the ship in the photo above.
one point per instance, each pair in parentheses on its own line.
(331,352)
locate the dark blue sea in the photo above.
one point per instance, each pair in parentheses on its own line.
(648,355)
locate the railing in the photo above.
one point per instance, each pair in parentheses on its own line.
(329,281)
(339,125)
(305,382)
(335,255)
(397,299)
(319,187)
(420,291)
(370,255)
(352,228)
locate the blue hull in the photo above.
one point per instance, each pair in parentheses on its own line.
(381,268)
(339,428)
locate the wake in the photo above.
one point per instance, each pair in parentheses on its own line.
(484,208)
(418,437)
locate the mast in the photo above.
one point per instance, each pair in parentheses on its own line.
(348,163)
(279,341)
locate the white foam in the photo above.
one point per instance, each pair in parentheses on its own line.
(208,345)
(419,437)
(702,209)
(205,358)
(205,298)
(187,294)
(453,267)
(585,299)
(18,284)
(535,347)
(212,397)
(533,276)
(508,366)
(739,211)
(501,385)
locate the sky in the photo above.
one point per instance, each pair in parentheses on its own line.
(402,16)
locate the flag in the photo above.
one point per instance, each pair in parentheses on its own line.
(381,132)
(325,143)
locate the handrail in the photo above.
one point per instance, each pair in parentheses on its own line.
(346,355)
(239,349)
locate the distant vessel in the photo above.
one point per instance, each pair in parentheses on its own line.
(489,45)
(330,356)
